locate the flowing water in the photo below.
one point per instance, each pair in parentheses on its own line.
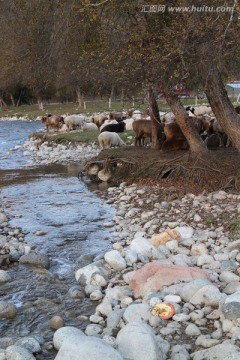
(54,201)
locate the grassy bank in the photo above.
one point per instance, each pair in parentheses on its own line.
(81,137)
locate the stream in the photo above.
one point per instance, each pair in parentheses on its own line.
(51,200)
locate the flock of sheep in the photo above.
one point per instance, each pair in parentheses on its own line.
(110,124)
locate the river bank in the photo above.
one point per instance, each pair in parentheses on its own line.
(194,241)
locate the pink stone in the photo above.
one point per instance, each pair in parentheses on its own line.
(153,276)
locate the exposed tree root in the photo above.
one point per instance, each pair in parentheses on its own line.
(220,170)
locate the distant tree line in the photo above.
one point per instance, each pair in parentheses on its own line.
(71,49)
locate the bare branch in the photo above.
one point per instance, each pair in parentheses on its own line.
(101,3)
(230,20)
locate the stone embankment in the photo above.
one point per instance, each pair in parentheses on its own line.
(44,153)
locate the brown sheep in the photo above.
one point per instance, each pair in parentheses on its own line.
(119,116)
(175,139)
(99,119)
(142,129)
(52,121)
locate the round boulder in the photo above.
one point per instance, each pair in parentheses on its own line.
(7,310)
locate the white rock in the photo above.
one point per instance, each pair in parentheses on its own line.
(223,351)
(115,260)
(93,330)
(85,274)
(87,348)
(131,257)
(4,277)
(108,224)
(181,317)
(197,218)
(96,319)
(99,280)
(220,195)
(96,295)
(192,330)
(67,332)
(204,259)
(143,246)
(18,353)
(126,301)
(186,232)
(128,276)
(172,245)
(3,218)
(137,312)
(188,290)
(208,295)
(137,341)
(228,276)
(29,343)
(206,342)
(172,299)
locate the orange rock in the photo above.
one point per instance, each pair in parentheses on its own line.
(160,239)
(174,234)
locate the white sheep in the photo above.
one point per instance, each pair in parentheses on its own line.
(74,121)
(63,128)
(106,122)
(200,110)
(167,117)
(89,127)
(109,139)
(137,115)
(129,123)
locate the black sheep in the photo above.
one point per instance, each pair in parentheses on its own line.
(120,127)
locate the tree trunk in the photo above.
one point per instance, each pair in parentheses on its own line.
(122,97)
(157,128)
(19,99)
(112,92)
(12,100)
(79,97)
(2,103)
(220,103)
(39,102)
(197,146)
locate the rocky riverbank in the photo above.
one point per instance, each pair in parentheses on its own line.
(166,248)
(183,252)
(44,153)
